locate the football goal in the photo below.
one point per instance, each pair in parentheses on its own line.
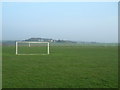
(32,48)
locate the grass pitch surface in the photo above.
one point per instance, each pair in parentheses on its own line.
(65,67)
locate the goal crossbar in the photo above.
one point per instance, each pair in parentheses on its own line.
(29,45)
(29,42)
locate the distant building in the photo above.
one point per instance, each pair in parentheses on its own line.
(49,40)
(40,39)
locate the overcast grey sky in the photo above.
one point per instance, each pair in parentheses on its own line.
(79,21)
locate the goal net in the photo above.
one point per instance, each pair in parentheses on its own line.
(32,48)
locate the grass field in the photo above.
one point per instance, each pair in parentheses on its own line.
(65,67)
(0,66)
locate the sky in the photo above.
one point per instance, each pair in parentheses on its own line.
(0,21)
(77,21)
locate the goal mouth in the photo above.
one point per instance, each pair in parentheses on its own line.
(30,48)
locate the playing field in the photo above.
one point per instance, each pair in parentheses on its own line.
(65,67)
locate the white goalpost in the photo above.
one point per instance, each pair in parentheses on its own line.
(29,45)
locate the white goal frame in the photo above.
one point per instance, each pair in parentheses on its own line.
(48,47)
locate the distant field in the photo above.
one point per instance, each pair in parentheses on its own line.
(65,67)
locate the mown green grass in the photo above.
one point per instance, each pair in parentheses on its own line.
(0,66)
(65,67)
(32,50)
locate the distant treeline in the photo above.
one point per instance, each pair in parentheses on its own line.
(62,42)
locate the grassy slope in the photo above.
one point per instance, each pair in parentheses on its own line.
(72,67)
